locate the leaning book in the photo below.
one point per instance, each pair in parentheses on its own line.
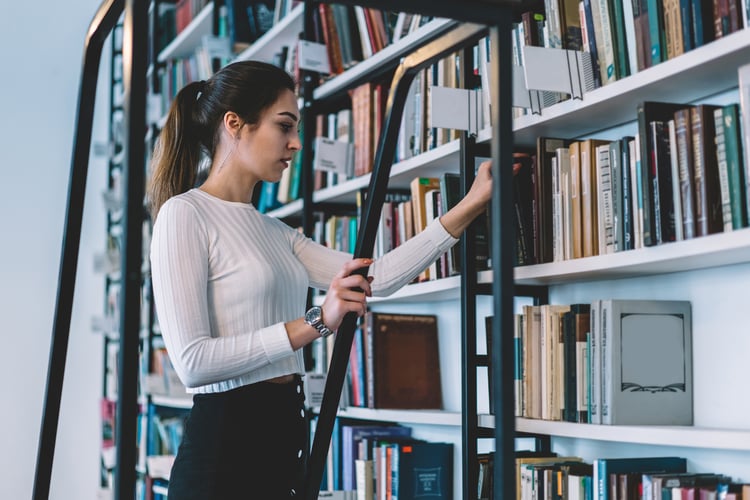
(646,362)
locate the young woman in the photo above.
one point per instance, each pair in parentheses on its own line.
(230,284)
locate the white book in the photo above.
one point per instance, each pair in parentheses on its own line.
(566,215)
(595,373)
(646,362)
(557,236)
(605,213)
(605,47)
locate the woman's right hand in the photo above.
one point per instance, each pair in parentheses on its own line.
(347,293)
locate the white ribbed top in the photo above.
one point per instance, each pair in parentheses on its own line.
(226,278)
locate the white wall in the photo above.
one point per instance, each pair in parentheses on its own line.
(41,47)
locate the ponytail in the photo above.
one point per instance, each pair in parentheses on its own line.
(177,152)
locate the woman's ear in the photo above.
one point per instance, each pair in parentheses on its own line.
(232,124)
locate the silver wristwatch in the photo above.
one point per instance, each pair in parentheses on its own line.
(314,318)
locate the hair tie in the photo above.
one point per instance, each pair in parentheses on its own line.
(202,85)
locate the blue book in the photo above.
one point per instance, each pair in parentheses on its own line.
(603,467)
(425,470)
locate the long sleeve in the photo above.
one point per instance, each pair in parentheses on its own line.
(391,271)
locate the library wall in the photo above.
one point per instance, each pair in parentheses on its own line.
(41,51)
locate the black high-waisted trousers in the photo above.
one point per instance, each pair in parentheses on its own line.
(248,443)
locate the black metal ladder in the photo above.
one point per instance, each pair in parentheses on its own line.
(495,14)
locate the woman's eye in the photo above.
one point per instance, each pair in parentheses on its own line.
(286,127)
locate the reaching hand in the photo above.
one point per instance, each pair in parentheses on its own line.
(481,189)
(348,293)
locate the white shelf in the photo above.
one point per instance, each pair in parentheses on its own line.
(191,37)
(284,33)
(709,69)
(691,437)
(698,253)
(288,210)
(422,417)
(428,291)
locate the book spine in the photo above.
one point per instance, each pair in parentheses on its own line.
(676,222)
(721,159)
(656,31)
(605,322)
(683,136)
(596,373)
(627,196)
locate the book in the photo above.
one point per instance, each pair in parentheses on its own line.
(419,186)
(708,217)
(424,470)
(684,148)
(646,362)
(405,360)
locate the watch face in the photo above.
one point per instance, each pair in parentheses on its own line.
(313,315)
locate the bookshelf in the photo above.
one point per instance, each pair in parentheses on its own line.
(673,270)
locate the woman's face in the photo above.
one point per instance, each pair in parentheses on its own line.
(267,147)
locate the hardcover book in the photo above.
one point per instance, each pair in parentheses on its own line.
(423,470)
(646,351)
(405,360)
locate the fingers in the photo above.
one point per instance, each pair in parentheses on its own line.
(352,265)
(354,281)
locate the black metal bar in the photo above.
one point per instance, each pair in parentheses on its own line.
(470,424)
(308,84)
(134,49)
(409,67)
(101,26)
(502,256)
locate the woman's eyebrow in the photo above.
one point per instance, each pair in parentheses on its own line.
(289,114)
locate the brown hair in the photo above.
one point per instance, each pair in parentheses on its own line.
(247,88)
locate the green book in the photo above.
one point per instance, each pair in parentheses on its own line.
(732,141)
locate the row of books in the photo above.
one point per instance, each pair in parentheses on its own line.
(626,37)
(614,361)
(684,175)
(352,34)
(544,476)
(384,461)
(404,214)
(394,362)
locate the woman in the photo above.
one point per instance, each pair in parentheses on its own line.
(230,284)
